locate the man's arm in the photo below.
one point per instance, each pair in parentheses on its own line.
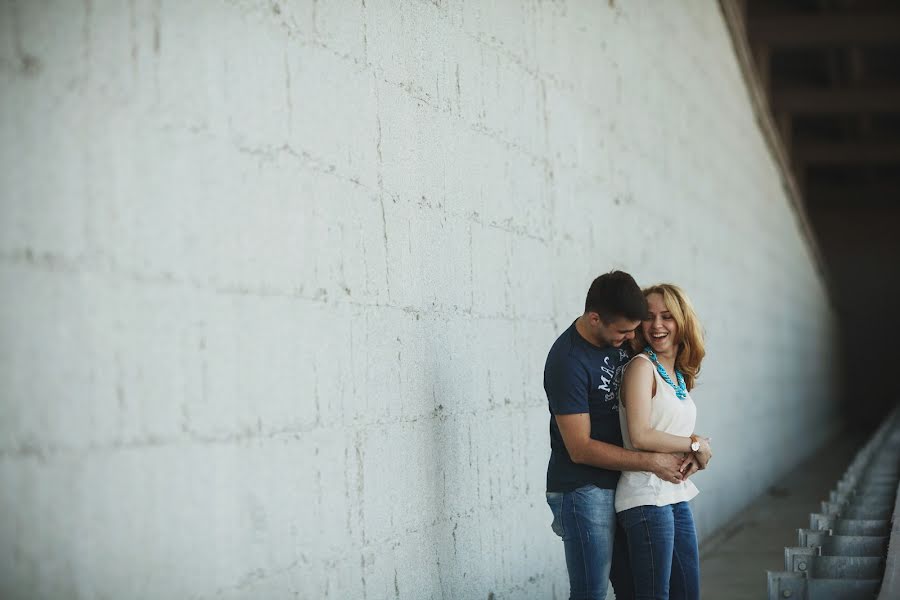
(576,434)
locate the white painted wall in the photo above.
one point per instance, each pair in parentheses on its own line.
(279,280)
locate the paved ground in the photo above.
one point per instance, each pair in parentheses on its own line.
(733,562)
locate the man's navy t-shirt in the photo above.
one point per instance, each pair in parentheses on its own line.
(580,377)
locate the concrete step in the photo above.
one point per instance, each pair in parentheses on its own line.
(797,586)
(842,545)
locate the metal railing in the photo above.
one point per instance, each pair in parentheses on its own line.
(842,555)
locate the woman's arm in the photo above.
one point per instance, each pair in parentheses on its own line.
(637,389)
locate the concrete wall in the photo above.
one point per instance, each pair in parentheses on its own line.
(279,280)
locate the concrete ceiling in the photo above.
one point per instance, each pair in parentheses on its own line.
(831,71)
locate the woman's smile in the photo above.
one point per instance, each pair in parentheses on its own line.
(659,328)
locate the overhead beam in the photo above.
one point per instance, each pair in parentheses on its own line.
(847,153)
(857,75)
(819,30)
(849,196)
(837,101)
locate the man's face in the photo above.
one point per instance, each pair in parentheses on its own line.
(616,332)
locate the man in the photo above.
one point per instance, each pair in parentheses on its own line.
(581,378)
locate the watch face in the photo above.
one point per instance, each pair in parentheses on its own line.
(695,446)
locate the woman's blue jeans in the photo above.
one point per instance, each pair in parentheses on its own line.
(585,519)
(662,546)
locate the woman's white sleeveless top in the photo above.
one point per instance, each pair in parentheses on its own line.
(670,414)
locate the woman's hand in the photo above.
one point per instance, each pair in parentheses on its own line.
(703,455)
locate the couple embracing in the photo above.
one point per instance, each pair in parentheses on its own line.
(623,445)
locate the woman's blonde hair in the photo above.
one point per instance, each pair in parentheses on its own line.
(690,337)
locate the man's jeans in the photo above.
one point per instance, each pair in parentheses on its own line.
(585,519)
(662,546)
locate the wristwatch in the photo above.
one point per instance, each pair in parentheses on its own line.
(695,442)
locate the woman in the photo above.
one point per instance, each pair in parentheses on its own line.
(657,414)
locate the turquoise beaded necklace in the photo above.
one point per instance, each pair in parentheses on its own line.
(681,388)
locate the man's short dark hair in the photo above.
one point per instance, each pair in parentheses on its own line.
(614,295)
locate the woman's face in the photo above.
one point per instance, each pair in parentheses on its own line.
(659,328)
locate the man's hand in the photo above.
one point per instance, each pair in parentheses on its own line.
(665,466)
